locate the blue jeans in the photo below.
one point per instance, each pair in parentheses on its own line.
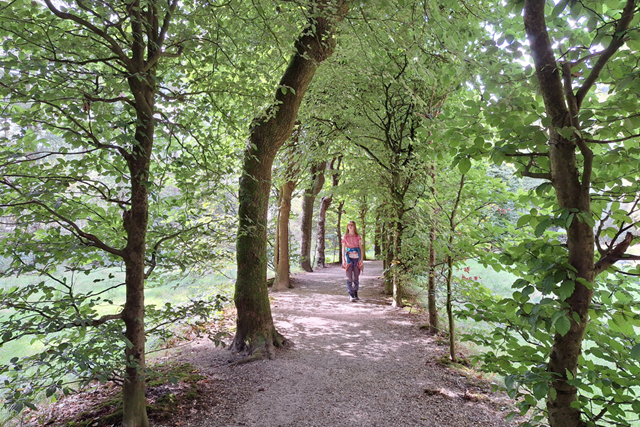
(353,271)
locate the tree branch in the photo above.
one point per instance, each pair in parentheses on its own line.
(617,254)
(93,240)
(617,40)
(113,45)
(153,59)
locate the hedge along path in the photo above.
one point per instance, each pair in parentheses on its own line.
(352,364)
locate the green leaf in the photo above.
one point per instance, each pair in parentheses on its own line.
(509,381)
(523,220)
(635,352)
(464,165)
(566,289)
(540,390)
(542,227)
(563,324)
(558,9)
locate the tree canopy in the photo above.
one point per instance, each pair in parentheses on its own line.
(142,141)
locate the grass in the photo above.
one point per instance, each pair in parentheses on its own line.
(498,282)
(174,291)
(168,289)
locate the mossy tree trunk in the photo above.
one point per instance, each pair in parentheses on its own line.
(255,331)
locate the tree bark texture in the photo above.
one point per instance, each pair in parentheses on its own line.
(309,199)
(377,238)
(363,227)
(339,233)
(399,187)
(135,222)
(255,331)
(452,325)
(282,281)
(325,202)
(571,181)
(320,234)
(396,268)
(389,256)
(431,284)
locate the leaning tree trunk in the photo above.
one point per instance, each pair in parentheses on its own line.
(282,266)
(309,199)
(255,331)
(571,180)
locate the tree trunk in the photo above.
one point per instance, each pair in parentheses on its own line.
(317,173)
(363,220)
(255,331)
(388,249)
(377,238)
(135,222)
(339,231)
(276,243)
(431,285)
(325,202)
(282,281)
(398,286)
(572,188)
(322,218)
(452,326)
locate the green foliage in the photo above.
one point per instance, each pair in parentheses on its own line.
(76,347)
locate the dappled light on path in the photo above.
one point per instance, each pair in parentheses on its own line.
(355,363)
(360,363)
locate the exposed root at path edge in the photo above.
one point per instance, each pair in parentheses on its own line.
(260,348)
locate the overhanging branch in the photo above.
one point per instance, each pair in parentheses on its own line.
(615,255)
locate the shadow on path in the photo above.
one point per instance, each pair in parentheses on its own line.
(352,364)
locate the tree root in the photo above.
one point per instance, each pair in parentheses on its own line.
(260,349)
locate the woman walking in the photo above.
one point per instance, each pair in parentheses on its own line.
(352,259)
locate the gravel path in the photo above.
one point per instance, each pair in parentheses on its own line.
(353,364)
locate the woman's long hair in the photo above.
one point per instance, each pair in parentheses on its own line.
(355,228)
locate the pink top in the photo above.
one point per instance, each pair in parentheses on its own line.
(351,240)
